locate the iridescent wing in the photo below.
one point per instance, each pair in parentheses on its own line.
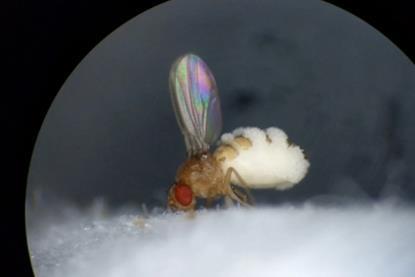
(196,103)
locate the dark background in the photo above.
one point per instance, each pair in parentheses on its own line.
(48,39)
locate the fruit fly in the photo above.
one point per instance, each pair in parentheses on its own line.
(196,104)
(266,159)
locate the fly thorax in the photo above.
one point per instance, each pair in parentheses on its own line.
(202,175)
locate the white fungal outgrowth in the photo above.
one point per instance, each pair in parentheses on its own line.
(264,158)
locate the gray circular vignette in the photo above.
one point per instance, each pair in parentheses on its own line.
(337,86)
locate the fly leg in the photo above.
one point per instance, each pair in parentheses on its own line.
(244,200)
(190,214)
(228,202)
(209,202)
(246,195)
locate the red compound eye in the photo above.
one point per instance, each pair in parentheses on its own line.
(183,194)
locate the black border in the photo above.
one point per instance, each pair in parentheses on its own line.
(394,19)
(44,42)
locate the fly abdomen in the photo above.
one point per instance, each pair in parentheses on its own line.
(263,158)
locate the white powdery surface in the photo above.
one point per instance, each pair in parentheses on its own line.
(364,240)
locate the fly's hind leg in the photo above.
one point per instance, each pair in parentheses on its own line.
(236,195)
(246,195)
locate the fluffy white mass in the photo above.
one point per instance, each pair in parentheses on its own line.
(364,240)
(271,162)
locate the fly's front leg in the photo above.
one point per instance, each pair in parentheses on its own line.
(190,214)
(209,202)
(242,199)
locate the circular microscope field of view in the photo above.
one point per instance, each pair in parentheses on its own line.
(229,138)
